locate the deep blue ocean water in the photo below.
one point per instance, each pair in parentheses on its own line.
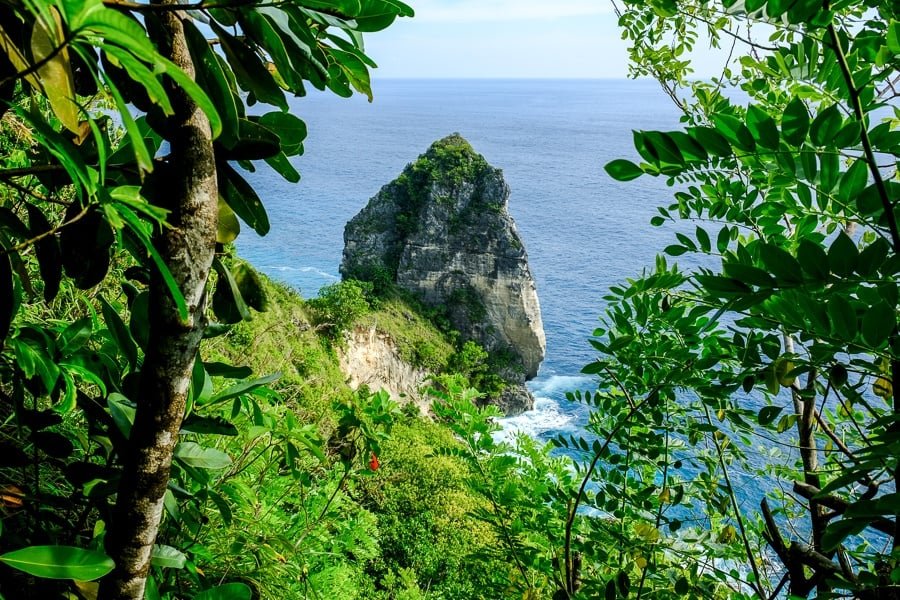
(583,231)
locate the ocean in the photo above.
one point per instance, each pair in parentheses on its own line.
(583,231)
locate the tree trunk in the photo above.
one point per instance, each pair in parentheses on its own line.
(187,246)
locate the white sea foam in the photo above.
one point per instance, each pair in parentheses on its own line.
(548,415)
(545,417)
(558,385)
(284,269)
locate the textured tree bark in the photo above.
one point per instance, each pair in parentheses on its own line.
(187,247)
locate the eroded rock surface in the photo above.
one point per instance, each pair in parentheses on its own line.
(442,230)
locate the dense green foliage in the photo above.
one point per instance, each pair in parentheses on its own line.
(772,366)
(770,372)
(110,228)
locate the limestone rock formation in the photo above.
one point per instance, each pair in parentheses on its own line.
(442,231)
(370,357)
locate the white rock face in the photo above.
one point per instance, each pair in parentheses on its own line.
(370,357)
(442,230)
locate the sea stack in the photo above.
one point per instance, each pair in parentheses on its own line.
(443,232)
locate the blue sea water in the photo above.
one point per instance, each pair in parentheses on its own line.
(583,231)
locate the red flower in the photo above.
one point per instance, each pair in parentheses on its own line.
(373,463)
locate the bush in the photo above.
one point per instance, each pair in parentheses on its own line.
(340,304)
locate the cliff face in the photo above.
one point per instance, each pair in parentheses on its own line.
(442,231)
(370,357)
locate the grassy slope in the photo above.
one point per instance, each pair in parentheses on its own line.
(387,534)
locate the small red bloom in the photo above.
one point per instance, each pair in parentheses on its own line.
(373,463)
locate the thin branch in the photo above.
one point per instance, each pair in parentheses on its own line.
(47,233)
(840,506)
(757,583)
(570,519)
(856,103)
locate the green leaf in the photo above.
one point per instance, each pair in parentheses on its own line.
(119,333)
(723,239)
(842,318)
(623,170)
(878,323)
(55,72)
(59,562)
(249,70)
(675,250)
(194,423)
(242,199)
(780,263)
(854,180)
(167,557)
(691,149)
(825,126)
(245,387)
(837,531)
(122,411)
(749,274)
(282,165)
(763,127)
(734,131)
(872,257)
(222,506)
(843,255)
(809,163)
(768,414)
(228,303)
(662,146)
(893,37)
(813,260)
(138,145)
(703,239)
(355,70)
(75,335)
(229,226)
(290,129)
(137,228)
(212,78)
(711,140)
(250,286)
(228,591)
(795,122)
(194,455)
(254,142)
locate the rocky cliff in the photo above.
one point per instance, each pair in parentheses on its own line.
(370,357)
(442,231)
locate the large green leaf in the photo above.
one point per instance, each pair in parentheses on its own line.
(623,170)
(245,387)
(253,142)
(825,126)
(734,130)
(242,199)
(194,455)
(211,77)
(167,557)
(59,562)
(291,130)
(763,127)
(251,73)
(795,122)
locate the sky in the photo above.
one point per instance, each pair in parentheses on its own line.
(506,38)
